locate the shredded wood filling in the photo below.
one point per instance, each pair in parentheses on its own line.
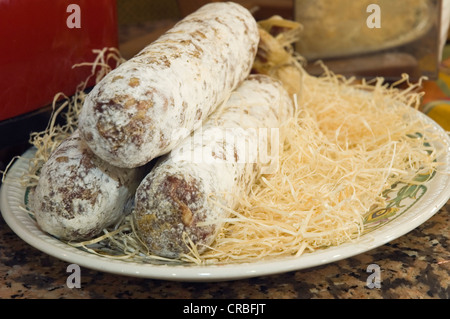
(348,142)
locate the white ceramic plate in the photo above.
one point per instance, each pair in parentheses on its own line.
(409,207)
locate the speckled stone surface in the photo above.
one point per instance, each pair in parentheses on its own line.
(416,265)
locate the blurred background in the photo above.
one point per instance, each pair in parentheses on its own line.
(142,21)
(335,31)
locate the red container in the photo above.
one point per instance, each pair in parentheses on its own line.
(40,42)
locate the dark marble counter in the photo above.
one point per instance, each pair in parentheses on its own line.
(416,265)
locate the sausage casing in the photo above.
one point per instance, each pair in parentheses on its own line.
(78,194)
(135,113)
(174,199)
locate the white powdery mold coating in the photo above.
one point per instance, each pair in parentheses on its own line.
(174,198)
(78,194)
(175,83)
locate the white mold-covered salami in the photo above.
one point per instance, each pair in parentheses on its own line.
(135,113)
(219,159)
(78,194)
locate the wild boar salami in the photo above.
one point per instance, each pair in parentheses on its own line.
(78,194)
(189,192)
(136,112)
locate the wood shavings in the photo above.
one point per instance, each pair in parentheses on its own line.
(348,142)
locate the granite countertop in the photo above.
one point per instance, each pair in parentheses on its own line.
(416,265)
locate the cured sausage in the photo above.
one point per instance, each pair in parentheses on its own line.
(78,194)
(189,192)
(136,112)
